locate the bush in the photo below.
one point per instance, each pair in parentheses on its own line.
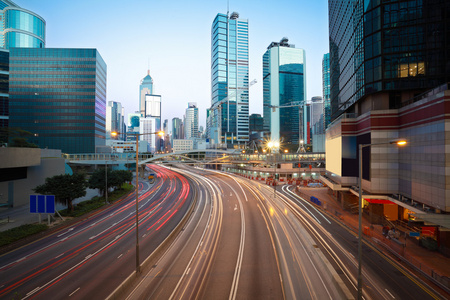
(15,234)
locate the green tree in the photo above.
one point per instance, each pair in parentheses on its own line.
(98,180)
(66,188)
(122,176)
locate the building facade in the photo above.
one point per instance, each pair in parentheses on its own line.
(229,79)
(59,95)
(284,92)
(391,83)
(145,88)
(191,121)
(115,120)
(20,27)
(177,129)
(4,91)
(326,89)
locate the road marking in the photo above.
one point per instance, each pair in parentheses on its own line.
(231,194)
(120,255)
(33,291)
(188,271)
(389,293)
(144,235)
(69,230)
(60,255)
(235,207)
(74,291)
(89,256)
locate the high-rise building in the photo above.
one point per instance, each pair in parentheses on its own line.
(229,79)
(326,89)
(148,125)
(145,88)
(317,124)
(4,91)
(115,120)
(20,27)
(59,95)
(284,84)
(177,129)
(389,69)
(191,121)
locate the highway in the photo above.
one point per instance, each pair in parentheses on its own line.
(238,245)
(91,258)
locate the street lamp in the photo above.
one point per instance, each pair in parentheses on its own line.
(274,145)
(160,133)
(399,142)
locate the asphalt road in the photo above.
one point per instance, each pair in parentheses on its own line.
(91,258)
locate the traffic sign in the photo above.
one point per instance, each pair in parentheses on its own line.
(42,204)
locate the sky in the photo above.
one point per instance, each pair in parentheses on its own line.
(173,40)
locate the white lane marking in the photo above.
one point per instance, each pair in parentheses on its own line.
(33,291)
(389,293)
(59,255)
(69,230)
(187,272)
(231,194)
(120,255)
(74,292)
(235,207)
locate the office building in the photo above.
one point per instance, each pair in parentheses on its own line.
(229,79)
(392,83)
(115,120)
(4,91)
(284,92)
(326,89)
(145,88)
(191,121)
(59,95)
(148,125)
(20,27)
(317,124)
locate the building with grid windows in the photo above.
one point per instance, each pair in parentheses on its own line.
(284,92)
(191,121)
(4,91)
(229,80)
(20,27)
(389,74)
(326,89)
(59,95)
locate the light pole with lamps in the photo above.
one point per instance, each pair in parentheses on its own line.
(160,133)
(399,142)
(274,145)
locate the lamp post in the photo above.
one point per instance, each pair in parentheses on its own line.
(361,146)
(274,145)
(160,133)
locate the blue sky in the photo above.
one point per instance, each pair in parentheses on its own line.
(174,39)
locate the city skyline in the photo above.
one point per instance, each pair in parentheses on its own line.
(151,35)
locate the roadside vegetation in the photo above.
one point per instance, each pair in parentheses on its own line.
(67,188)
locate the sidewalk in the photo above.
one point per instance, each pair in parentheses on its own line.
(432,263)
(20,215)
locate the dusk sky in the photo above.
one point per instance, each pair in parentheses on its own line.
(173,39)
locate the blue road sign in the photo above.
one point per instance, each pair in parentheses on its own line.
(43,204)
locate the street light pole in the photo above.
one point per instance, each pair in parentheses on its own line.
(160,133)
(361,146)
(138,266)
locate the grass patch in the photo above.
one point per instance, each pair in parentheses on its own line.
(96,202)
(14,234)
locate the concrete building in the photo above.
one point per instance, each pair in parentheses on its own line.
(191,121)
(182,145)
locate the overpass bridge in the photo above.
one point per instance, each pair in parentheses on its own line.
(196,157)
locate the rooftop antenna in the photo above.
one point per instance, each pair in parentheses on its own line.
(148,69)
(228,7)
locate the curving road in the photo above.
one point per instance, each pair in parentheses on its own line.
(91,258)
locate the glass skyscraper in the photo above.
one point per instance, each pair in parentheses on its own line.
(284,84)
(59,95)
(20,27)
(145,88)
(229,79)
(386,52)
(191,121)
(326,89)
(4,90)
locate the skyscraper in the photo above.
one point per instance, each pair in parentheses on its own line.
(326,89)
(229,79)
(115,120)
(20,27)
(177,129)
(389,69)
(145,88)
(191,121)
(284,84)
(4,90)
(59,95)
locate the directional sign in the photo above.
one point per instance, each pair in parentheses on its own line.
(42,204)
(152,178)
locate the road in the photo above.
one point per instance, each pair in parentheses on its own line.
(238,245)
(91,258)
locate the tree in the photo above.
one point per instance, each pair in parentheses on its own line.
(122,176)
(66,188)
(17,137)
(98,180)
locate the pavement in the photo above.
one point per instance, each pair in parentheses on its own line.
(434,266)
